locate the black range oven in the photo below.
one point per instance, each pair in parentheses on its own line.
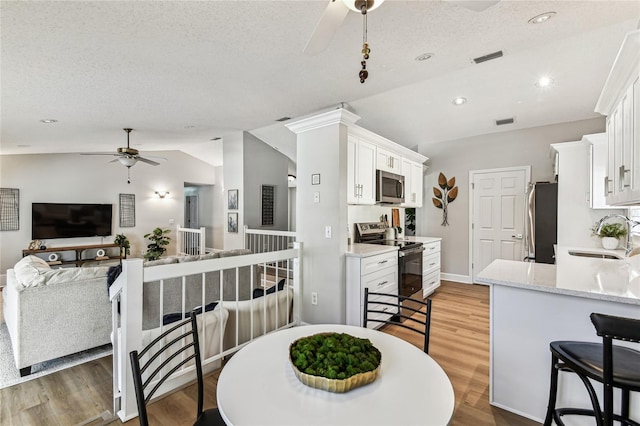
(409,258)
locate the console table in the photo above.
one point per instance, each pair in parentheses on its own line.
(79,250)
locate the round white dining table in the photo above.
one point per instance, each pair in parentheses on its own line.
(258,386)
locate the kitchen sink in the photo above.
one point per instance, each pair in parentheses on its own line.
(592,254)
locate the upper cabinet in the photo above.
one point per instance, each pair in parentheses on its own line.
(388,161)
(413,183)
(367,152)
(361,172)
(620,102)
(597,161)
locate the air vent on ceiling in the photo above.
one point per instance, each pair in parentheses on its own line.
(283,119)
(504,121)
(490,56)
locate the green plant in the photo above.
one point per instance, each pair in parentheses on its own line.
(410,219)
(159,240)
(123,242)
(614,230)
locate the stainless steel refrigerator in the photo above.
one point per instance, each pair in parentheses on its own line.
(542,222)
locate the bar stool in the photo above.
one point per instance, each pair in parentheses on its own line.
(612,365)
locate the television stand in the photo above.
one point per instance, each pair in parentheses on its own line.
(79,253)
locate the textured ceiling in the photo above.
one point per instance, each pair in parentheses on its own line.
(182,73)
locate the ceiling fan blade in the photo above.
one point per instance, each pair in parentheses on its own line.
(329,23)
(475,5)
(98,153)
(146,160)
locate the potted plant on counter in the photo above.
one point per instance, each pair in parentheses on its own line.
(611,234)
(156,247)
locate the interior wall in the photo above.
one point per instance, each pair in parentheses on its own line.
(323,151)
(219,208)
(263,165)
(72,178)
(232,154)
(457,158)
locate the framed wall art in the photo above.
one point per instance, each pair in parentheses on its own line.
(127,210)
(267,201)
(232,222)
(9,209)
(233,200)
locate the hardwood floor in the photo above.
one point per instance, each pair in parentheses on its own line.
(459,343)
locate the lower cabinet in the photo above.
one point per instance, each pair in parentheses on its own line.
(430,268)
(378,273)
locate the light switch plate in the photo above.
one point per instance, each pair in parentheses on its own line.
(316,197)
(327,231)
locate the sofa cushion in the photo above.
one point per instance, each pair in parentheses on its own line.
(66,275)
(29,271)
(234,252)
(163,261)
(196,257)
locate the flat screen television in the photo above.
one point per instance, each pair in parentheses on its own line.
(62,220)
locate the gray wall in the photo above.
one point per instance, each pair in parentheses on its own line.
(232,154)
(73,178)
(459,157)
(264,165)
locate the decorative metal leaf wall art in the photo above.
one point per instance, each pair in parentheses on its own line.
(444,195)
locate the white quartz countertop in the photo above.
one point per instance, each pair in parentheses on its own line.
(615,280)
(366,250)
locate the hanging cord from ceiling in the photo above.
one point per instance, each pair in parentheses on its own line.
(365,46)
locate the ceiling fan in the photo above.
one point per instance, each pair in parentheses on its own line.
(128,156)
(337,11)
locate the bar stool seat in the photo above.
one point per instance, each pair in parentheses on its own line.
(612,365)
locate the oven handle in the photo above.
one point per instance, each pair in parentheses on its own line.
(403,253)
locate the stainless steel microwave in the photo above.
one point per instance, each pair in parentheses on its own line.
(389,187)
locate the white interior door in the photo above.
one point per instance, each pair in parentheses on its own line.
(498,207)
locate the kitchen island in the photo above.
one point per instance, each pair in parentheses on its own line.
(532,304)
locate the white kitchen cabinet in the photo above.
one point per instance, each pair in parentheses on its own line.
(620,102)
(361,171)
(413,183)
(596,196)
(378,273)
(388,161)
(430,267)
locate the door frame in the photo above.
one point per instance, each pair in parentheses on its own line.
(472,175)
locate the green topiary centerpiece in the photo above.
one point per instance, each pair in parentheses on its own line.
(337,362)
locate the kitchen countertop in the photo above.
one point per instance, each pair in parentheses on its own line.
(366,250)
(616,280)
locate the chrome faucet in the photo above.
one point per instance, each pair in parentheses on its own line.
(630,225)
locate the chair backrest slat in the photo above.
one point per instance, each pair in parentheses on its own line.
(153,350)
(419,314)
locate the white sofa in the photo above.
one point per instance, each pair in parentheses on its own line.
(51,313)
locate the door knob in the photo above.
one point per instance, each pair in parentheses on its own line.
(517,236)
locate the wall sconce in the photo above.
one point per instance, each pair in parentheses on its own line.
(162,194)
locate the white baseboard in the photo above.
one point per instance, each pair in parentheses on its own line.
(464,279)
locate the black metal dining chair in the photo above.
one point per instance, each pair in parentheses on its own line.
(390,305)
(612,365)
(171,353)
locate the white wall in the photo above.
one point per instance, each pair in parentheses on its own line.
(457,158)
(73,178)
(233,153)
(219,209)
(324,151)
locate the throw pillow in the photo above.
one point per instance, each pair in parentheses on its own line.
(29,271)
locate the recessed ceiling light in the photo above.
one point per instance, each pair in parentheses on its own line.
(544,81)
(281,119)
(542,18)
(459,101)
(215,139)
(190,127)
(424,57)
(23,146)
(48,121)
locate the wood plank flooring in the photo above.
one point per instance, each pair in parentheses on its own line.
(459,343)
